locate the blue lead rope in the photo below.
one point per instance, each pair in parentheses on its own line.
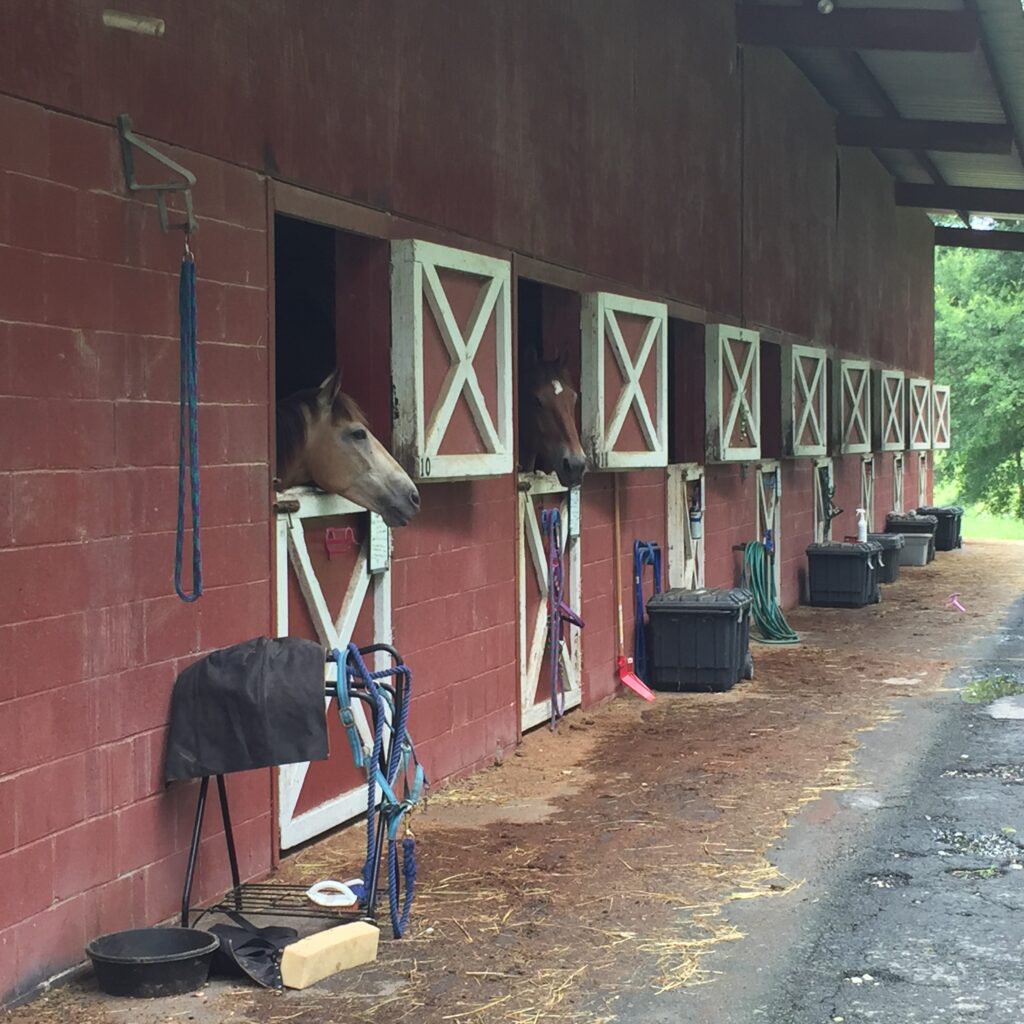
(393,808)
(188,426)
(645,553)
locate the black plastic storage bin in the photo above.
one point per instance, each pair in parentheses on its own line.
(947,530)
(843,574)
(699,639)
(911,522)
(891,545)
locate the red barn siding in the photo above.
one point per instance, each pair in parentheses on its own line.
(90,638)
(713,183)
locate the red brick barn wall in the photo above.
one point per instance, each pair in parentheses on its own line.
(455,622)
(714,185)
(91,636)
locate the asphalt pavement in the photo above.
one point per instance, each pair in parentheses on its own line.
(912,904)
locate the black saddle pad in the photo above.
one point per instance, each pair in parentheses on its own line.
(253,952)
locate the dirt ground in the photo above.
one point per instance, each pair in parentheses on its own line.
(602,857)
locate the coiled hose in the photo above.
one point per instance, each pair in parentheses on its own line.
(760,581)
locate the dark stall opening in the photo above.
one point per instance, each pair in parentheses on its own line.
(771,400)
(332,310)
(304,305)
(686,393)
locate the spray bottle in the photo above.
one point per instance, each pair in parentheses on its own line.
(862,526)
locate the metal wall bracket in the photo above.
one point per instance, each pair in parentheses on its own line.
(130,142)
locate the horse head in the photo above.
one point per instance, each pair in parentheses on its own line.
(548,439)
(322,438)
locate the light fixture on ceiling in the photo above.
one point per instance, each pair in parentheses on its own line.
(826,6)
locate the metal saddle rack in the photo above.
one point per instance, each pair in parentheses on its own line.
(272,899)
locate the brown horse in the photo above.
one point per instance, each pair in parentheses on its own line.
(323,439)
(548,439)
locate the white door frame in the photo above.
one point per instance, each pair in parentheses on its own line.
(723,415)
(822,525)
(533,571)
(898,479)
(805,400)
(853,402)
(922,479)
(940,416)
(685,555)
(333,631)
(602,339)
(867,489)
(415,282)
(769,512)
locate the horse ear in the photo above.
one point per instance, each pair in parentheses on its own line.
(329,390)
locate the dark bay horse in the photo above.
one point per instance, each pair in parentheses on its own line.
(323,439)
(548,439)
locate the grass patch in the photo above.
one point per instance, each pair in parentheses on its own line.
(978,523)
(982,691)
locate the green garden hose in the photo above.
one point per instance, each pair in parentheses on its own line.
(760,580)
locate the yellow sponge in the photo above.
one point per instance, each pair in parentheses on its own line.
(318,956)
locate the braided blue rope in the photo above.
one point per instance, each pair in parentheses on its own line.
(188,425)
(645,552)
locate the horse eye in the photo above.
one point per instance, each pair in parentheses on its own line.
(358,434)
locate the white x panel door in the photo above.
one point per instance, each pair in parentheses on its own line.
(804,400)
(624,389)
(940,417)
(733,390)
(897,482)
(922,479)
(890,410)
(919,414)
(685,550)
(853,406)
(822,523)
(867,489)
(309,806)
(537,491)
(451,361)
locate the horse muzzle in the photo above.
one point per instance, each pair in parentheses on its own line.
(571,469)
(403,509)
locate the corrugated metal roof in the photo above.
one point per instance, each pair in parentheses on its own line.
(936,86)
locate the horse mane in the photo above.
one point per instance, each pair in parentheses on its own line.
(293,422)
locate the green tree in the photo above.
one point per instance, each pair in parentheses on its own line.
(979,352)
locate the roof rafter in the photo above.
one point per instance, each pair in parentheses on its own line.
(954,197)
(907,133)
(858,29)
(967,238)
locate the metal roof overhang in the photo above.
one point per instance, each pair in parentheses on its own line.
(934,87)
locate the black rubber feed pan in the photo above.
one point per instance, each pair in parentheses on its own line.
(150,962)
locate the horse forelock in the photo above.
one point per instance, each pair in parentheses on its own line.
(347,408)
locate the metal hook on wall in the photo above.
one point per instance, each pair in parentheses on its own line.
(129,142)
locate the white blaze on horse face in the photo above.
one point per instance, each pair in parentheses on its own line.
(556,386)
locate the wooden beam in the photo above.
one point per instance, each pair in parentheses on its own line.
(964,238)
(942,136)
(858,29)
(953,197)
